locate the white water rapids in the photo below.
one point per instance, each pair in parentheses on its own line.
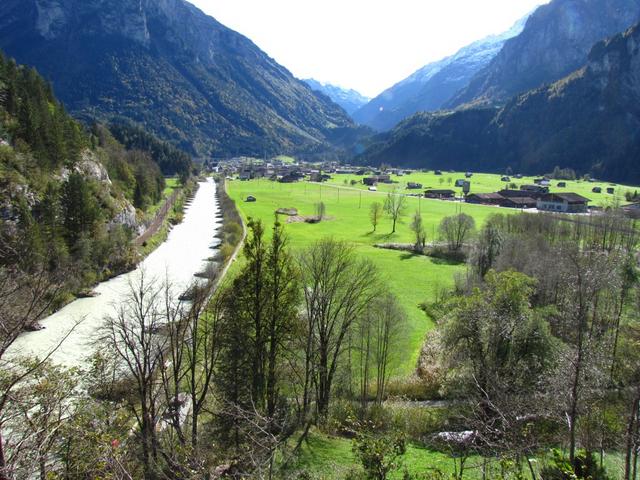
(182,255)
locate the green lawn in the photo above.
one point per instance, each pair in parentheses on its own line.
(485,183)
(413,279)
(328,458)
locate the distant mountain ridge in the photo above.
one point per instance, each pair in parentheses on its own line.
(350,100)
(588,121)
(430,87)
(554,42)
(166,65)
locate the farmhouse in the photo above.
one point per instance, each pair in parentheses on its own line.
(485,198)
(374,180)
(519,202)
(534,190)
(414,186)
(441,194)
(370,181)
(563,202)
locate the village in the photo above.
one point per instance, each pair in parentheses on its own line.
(542,194)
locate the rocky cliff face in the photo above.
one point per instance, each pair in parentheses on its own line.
(555,41)
(588,121)
(165,64)
(433,85)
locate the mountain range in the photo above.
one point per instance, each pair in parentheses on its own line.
(170,68)
(554,42)
(349,99)
(430,87)
(588,121)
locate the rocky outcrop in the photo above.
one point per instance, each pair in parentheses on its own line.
(556,40)
(90,167)
(128,217)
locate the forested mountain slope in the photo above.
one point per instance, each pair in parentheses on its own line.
(588,121)
(70,199)
(167,66)
(433,85)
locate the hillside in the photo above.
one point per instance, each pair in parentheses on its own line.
(433,85)
(349,99)
(555,42)
(174,70)
(71,200)
(588,121)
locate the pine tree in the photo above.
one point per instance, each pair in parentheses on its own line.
(80,208)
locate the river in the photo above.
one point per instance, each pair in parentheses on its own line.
(183,254)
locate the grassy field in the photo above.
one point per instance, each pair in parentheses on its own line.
(413,279)
(328,458)
(485,183)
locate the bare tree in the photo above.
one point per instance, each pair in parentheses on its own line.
(375,214)
(395,206)
(42,405)
(321,211)
(390,324)
(338,289)
(203,353)
(455,230)
(420,236)
(133,334)
(378,331)
(27,293)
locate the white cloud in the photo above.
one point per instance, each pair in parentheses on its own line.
(364,44)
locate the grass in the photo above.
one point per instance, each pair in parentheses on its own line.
(328,458)
(413,279)
(171,184)
(486,183)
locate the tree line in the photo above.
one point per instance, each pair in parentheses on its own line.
(540,341)
(222,382)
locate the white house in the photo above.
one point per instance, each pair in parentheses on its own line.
(563,203)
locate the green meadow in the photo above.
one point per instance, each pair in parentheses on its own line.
(486,183)
(414,279)
(328,457)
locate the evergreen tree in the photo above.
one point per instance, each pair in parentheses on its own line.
(80,208)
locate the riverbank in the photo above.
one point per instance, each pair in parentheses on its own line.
(184,253)
(167,216)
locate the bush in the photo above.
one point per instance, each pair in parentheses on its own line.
(379,454)
(451,256)
(584,466)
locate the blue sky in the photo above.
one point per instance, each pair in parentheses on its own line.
(367,45)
